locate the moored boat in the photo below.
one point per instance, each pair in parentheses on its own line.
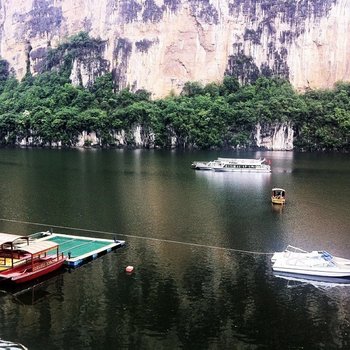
(278,196)
(233,165)
(30,261)
(203,165)
(9,254)
(242,165)
(315,263)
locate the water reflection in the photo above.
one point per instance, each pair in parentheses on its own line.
(36,291)
(277,208)
(295,280)
(239,180)
(189,296)
(180,296)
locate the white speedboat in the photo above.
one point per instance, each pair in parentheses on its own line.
(315,263)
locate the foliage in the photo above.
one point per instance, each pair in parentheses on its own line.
(327,125)
(79,47)
(48,109)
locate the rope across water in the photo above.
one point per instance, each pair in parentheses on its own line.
(138,237)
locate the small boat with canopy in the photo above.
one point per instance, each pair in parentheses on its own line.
(9,254)
(22,260)
(278,196)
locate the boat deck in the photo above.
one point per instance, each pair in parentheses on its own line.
(6,263)
(79,249)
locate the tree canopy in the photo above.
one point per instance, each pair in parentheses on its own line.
(48,109)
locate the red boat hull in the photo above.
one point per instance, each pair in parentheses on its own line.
(26,275)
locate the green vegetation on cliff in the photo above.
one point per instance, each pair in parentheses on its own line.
(47,109)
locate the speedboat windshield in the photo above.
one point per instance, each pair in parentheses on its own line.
(326,256)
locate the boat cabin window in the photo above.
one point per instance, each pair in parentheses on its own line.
(326,256)
(279,194)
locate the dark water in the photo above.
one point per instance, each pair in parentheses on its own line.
(186,292)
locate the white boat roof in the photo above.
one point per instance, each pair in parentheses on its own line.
(8,238)
(242,160)
(278,189)
(37,247)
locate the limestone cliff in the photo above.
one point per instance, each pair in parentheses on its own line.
(158,45)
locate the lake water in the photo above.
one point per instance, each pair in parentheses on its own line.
(192,288)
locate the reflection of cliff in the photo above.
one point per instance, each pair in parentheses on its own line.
(159,45)
(199,296)
(184,297)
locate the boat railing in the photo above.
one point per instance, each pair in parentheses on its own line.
(291,248)
(241,160)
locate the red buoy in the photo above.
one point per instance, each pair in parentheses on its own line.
(129,269)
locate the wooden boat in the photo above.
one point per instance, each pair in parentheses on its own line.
(278,196)
(30,261)
(9,255)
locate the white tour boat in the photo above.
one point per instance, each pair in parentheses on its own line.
(242,165)
(234,165)
(315,263)
(204,165)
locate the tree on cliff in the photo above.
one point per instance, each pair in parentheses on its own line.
(48,109)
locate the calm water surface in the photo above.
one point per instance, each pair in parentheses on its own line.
(190,289)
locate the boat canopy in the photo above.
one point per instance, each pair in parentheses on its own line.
(39,247)
(242,160)
(278,189)
(10,238)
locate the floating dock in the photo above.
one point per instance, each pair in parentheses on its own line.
(79,249)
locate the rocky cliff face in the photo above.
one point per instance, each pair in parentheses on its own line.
(276,137)
(158,45)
